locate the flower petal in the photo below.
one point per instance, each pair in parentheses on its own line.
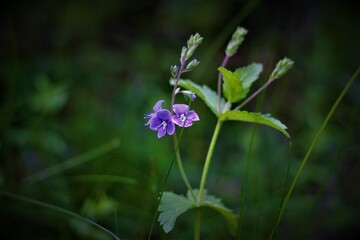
(192,115)
(170,128)
(155,123)
(188,123)
(158,105)
(176,119)
(161,132)
(180,109)
(164,115)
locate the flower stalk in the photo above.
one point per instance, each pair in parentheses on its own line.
(204,177)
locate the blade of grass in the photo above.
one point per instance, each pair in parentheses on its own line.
(102,178)
(249,163)
(284,191)
(73,162)
(313,143)
(55,208)
(335,162)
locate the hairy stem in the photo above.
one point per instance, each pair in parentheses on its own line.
(223,64)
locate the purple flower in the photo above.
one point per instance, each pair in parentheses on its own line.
(183,117)
(161,122)
(157,107)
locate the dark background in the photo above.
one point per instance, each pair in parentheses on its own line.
(77,74)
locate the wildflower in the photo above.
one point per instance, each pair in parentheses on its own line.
(156,108)
(183,117)
(161,121)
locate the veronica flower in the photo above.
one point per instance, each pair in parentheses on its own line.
(184,117)
(157,107)
(162,122)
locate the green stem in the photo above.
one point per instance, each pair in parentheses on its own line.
(254,94)
(197,224)
(203,179)
(181,169)
(208,160)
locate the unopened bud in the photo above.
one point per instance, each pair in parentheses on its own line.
(174,71)
(236,39)
(281,68)
(192,64)
(184,55)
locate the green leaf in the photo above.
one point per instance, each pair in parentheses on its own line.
(232,87)
(237,84)
(251,117)
(249,74)
(204,92)
(171,206)
(216,204)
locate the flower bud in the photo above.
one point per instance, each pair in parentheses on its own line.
(281,68)
(184,55)
(236,39)
(192,64)
(174,71)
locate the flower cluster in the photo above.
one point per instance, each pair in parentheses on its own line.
(163,121)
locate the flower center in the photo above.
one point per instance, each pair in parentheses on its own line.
(163,124)
(182,117)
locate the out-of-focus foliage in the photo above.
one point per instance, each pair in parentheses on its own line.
(75,75)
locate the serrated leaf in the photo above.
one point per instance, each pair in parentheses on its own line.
(171,207)
(251,117)
(249,74)
(204,92)
(237,84)
(216,204)
(233,89)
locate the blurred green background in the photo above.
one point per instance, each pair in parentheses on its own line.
(77,78)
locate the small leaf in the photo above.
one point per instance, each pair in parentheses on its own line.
(204,92)
(251,117)
(237,84)
(233,89)
(172,206)
(216,204)
(249,74)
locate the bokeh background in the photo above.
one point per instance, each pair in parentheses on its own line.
(77,78)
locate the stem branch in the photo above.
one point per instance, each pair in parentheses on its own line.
(183,62)
(254,95)
(223,64)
